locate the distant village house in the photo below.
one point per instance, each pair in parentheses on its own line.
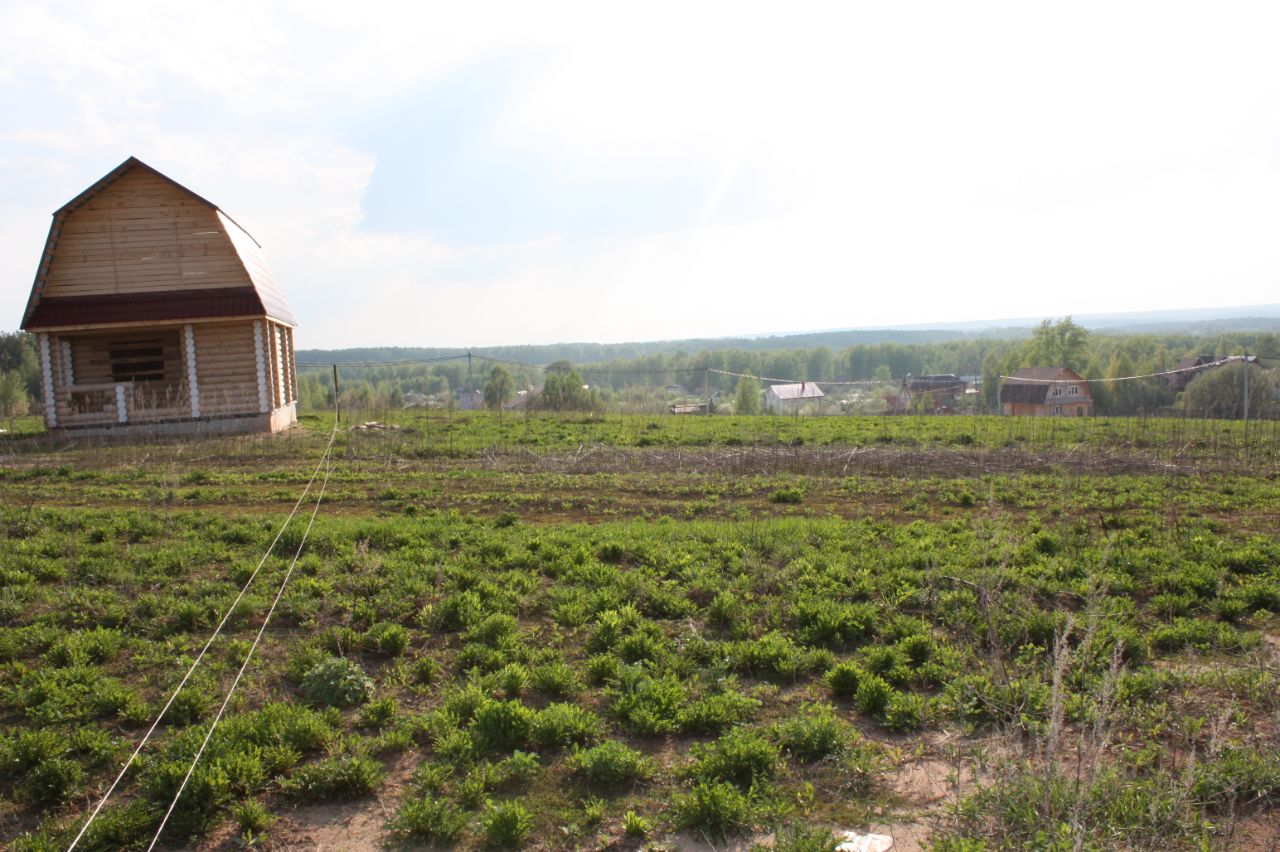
(1046,392)
(794,398)
(154,311)
(935,394)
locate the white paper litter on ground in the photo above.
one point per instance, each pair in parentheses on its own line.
(858,841)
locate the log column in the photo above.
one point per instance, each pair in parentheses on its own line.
(46,379)
(260,355)
(190,335)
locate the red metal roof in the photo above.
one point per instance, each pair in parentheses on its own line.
(55,311)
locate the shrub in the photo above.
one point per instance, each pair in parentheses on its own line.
(512,680)
(715,809)
(873,695)
(556,679)
(813,733)
(823,621)
(506,825)
(502,725)
(387,638)
(52,781)
(787,495)
(519,768)
(611,764)
(743,756)
(650,706)
(904,712)
(337,682)
(715,713)
(634,825)
(426,671)
(334,778)
(379,713)
(844,679)
(251,816)
(771,656)
(428,818)
(559,725)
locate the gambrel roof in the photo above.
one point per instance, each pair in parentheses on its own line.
(252,289)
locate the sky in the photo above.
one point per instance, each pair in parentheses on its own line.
(470,174)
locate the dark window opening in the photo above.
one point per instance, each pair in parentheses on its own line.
(137,361)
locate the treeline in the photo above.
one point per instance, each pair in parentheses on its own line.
(653,378)
(643,380)
(19,374)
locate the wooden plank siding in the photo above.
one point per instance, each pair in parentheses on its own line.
(143,234)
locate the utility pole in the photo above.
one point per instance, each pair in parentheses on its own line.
(337,414)
(1246,386)
(706,387)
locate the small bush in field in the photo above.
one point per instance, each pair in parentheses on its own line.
(560,725)
(634,825)
(506,825)
(611,764)
(334,778)
(813,733)
(787,496)
(873,695)
(429,819)
(844,679)
(379,713)
(716,713)
(502,725)
(53,781)
(337,682)
(251,816)
(904,712)
(387,638)
(713,808)
(556,679)
(743,756)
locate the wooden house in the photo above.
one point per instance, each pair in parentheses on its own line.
(154,311)
(1046,392)
(936,394)
(793,398)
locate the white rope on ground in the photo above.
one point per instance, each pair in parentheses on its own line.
(205,649)
(254,647)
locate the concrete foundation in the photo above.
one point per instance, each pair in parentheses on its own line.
(274,421)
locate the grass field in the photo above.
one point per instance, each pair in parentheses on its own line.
(638,632)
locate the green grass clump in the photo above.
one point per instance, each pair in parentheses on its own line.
(612,764)
(715,809)
(744,756)
(429,819)
(561,725)
(502,725)
(506,825)
(343,777)
(337,682)
(813,734)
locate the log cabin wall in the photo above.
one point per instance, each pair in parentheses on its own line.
(225,369)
